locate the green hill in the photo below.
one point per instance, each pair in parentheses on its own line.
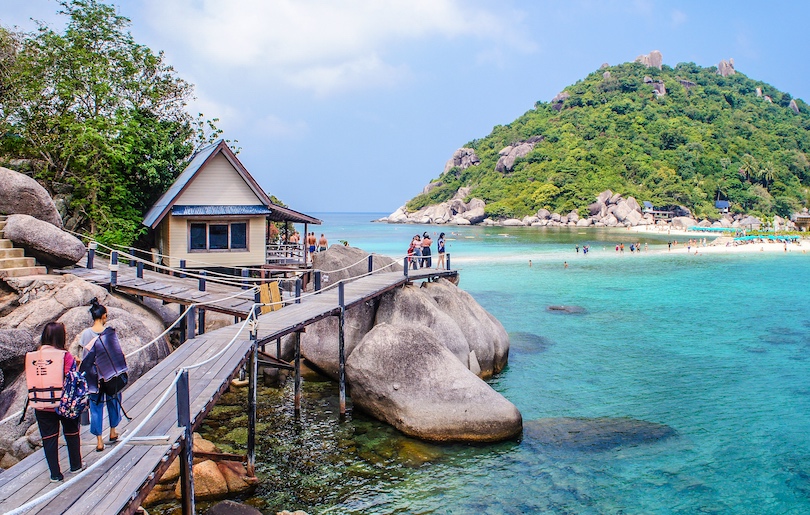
(708,137)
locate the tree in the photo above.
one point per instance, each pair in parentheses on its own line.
(104,115)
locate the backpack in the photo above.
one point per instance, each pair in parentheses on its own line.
(113,386)
(74,394)
(45,375)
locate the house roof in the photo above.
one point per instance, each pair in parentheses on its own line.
(722,204)
(165,203)
(220,210)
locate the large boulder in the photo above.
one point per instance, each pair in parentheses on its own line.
(632,203)
(21,194)
(512,153)
(593,434)
(404,376)
(319,344)
(512,222)
(44,241)
(411,305)
(462,159)
(726,68)
(485,335)
(14,343)
(475,215)
(682,222)
(652,60)
(342,262)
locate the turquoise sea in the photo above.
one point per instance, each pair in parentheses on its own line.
(716,347)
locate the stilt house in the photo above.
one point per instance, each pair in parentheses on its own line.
(216,214)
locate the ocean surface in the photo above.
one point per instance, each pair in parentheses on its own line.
(713,348)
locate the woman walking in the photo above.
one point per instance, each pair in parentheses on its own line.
(45,371)
(416,243)
(102,361)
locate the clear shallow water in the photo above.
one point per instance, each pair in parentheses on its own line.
(717,347)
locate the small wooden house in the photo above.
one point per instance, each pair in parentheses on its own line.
(215,214)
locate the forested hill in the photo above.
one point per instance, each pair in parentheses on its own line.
(686,136)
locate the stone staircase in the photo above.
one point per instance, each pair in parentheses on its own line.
(13,262)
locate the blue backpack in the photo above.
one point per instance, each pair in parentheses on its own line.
(74,394)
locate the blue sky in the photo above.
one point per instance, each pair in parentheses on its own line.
(355,105)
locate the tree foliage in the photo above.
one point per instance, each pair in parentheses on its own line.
(102,116)
(710,137)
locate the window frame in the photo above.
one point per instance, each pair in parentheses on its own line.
(228,224)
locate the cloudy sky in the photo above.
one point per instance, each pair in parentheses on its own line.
(355,105)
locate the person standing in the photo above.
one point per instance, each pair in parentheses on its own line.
(103,360)
(440,250)
(322,243)
(427,261)
(45,371)
(416,242)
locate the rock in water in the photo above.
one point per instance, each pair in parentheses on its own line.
(47,243)
(568,310)
(232,508)
(22,194)
(593,434)
(404,376)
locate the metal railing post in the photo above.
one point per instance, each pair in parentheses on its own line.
(181,275)
(202,280)
(187,451)
(114,269)
(370,263)
(91,254)
(201,321)
(298,291)
(245,283)
(253,370)
(405,262)
(317,274)
(139,269)
(341,349)
(447,257)
(132,257)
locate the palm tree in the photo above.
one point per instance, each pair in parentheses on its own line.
(767,174)
(748,166)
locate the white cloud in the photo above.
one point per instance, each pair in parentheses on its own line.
(678,18)
(321,45)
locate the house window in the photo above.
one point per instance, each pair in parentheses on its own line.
(217,236)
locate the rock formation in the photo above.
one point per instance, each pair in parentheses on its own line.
(793,106)
(470,340)
(434,397)
(462,159)
(47,243)
(652,60)
(593,434)
(659,89)
(511,153)
(726,68)
(22,194)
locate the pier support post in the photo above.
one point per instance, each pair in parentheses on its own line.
(113,269)
(181,275)
(297,374)
(139,269)
(317,280)
(278,348)
(91,254)
(253,370)
(187,451)
(201,320)
(405,262)
(191,319)
(202,280)
(370,263)
(341,351)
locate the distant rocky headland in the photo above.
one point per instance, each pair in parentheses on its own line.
(639,143)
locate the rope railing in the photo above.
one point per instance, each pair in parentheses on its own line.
(126,439)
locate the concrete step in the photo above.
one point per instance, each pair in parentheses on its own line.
(11,253)
(17,262)
(22,271)
(5,244)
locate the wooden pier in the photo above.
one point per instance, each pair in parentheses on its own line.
(121,482)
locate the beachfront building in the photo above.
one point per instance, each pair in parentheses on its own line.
(216,215)
(722,206)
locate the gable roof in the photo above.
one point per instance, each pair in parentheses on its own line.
(164,204)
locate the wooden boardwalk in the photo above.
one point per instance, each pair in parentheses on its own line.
(120,484)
